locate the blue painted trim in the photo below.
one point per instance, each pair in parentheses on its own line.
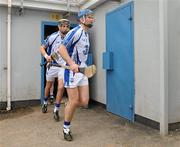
(132,31)
(43,24)
(89,59)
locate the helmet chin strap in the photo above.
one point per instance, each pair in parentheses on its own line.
(84,23)
(88,25)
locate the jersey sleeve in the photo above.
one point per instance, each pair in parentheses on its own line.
(46,42)
(49,40)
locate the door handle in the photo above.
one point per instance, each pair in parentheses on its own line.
(108,60)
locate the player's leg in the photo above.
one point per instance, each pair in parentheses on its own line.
(46,94)
(84,92)
(59,96)
(51,94)
(84,96)
(49,80)
(73,102)
(60,91)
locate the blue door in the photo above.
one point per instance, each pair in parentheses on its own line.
(118,60)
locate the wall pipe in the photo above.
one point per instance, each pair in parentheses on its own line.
(9,56)
(163,31)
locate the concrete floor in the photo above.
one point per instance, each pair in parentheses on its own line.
(93,127)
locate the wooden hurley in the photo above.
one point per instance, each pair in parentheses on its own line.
(88,71)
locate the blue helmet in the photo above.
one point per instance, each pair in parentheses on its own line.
(84,13)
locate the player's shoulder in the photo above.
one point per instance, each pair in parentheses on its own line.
(53,35)
(75,30)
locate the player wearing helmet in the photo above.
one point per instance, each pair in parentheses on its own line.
(74,50)
(52,43)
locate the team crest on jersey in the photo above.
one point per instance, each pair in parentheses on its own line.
(71,80)
(85,51)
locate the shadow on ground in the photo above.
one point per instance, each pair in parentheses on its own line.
(15,113)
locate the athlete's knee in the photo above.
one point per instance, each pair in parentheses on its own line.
(60,83)
(74,103)
(84,102)
(48,85)
(60,87)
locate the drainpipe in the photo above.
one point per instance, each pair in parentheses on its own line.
(163,67)
(9,56)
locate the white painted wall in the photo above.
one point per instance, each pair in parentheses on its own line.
(26,34)
(3,53)
(26,57)
(174,60)
(98,46)
(147,64)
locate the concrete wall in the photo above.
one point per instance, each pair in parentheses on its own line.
(3,52)
(98,46)
(147,60)
(26,34)
(147,56)
(26,57)
(174,60)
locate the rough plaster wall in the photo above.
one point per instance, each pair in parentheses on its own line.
(3,52)
(174,60)
(147,64)
(26,58)
(26,34)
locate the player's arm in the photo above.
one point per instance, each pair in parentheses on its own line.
(43,52)
(43,48)
(64,54)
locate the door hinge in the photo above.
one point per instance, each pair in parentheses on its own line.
(131,107)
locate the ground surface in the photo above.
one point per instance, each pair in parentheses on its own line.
(93,127)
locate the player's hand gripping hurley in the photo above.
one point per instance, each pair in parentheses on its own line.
(88,71)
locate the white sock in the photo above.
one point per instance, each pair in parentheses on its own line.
(66,129)
(45,102)
(56,109)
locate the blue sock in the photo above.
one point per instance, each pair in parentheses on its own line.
(57,106)
(67,123)
(45,100)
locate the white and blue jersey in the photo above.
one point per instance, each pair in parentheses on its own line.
(52,44)
(77,44)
